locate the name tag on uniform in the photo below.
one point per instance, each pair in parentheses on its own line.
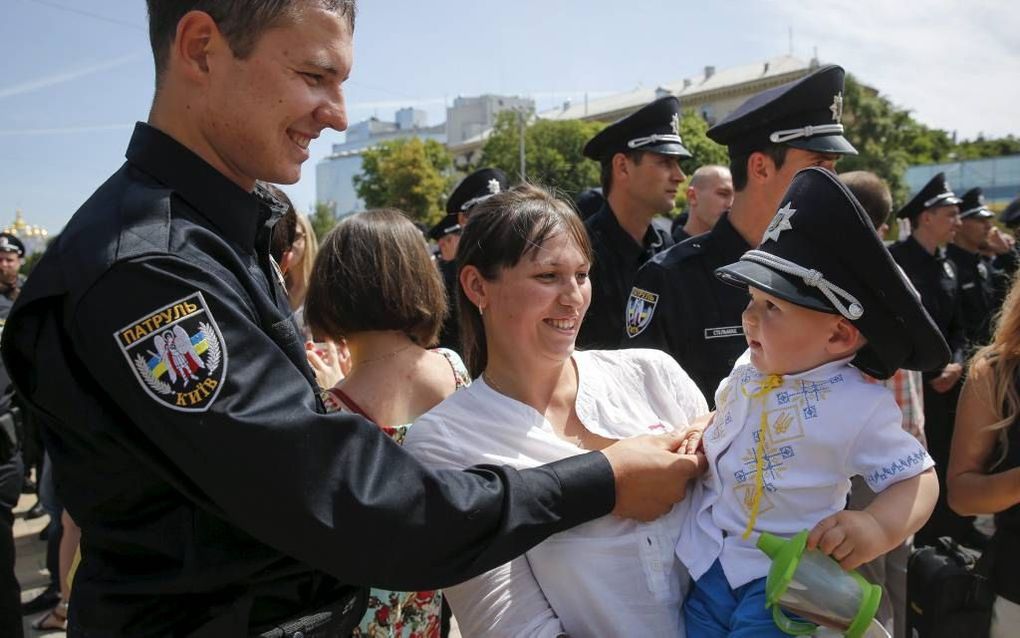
(723,332)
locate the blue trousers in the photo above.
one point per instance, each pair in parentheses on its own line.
(714,609)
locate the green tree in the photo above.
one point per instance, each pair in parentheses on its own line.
(888,139)
(410,174)
(29,262)
(323,219)
(552,152)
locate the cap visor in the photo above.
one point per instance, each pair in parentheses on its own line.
(748,273)
(668,148)
(982,213)
(824,144)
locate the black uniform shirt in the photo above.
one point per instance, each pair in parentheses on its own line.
(678,305)
(935,278)
(617,259)
(209,498)
(977,295)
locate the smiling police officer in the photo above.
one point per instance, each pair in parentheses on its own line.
(187,435)
(678,304)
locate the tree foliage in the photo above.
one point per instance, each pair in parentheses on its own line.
(323,219)
(552,152)
(888,139)
(410,174)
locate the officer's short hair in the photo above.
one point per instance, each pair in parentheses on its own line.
(242,22)
(374,272)
(607,169)
(873,194)
(501,231)
(738,163)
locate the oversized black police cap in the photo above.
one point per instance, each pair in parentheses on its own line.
(935,193)
(476,187)
(806,113)
(654,127)
(1011,215)
(11,244)
(446,226)
(821,252)
(972,205)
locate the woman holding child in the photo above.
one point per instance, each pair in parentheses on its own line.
(523,261)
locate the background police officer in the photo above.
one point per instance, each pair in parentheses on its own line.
(977,274)
(11,469)
(678,304)
(640,156)
(214,494)
(934,216)
(473,189)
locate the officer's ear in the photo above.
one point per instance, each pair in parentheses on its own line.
(475,286)
(759,167)
(621,165)
(198,39)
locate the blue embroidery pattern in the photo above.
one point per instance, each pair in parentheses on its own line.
(900,465)
(810,394)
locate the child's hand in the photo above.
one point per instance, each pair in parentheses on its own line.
(850,537)
(691,443)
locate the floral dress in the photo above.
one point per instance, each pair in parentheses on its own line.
(395,614)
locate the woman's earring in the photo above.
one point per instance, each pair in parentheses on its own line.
(480,313)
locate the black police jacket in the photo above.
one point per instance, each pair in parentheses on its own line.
(617,259)
(678,305)
(977,279)
(220,499)
(935,278)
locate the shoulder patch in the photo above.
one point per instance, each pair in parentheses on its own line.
(177,354)
(640,308)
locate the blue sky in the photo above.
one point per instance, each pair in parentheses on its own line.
(77,75)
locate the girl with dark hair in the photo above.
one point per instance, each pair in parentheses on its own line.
(374,284)
(523,264)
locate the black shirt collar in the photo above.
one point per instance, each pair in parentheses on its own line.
(606,223)
(940,252)
(240,216)
(727,243)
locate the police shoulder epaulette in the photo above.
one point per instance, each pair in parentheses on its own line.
(144,220)
(688,248)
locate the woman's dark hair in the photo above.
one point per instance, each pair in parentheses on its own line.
(374,272)
(501,231)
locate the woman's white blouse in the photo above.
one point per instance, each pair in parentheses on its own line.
(607,577)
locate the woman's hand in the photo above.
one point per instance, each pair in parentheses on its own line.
(330,362)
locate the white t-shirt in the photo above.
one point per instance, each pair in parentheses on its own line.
(824,426)
(607,577)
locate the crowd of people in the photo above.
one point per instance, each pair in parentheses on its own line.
(548,418)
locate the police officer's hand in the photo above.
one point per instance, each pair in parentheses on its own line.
(945,381)
(650,475)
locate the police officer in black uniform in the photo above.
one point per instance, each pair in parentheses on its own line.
(640,156)
(934,216)
(11,468)
(677,304)
(475,188)
(155,343)
(976,273)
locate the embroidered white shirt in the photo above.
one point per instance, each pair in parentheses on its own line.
(607,577)
(824,426)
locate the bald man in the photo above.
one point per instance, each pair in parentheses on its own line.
(709,195)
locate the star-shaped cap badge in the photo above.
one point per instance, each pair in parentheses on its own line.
(674,122)
(493,186)
(779,223)
(837,107)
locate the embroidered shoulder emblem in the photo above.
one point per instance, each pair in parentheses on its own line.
(640,308)
(177,354)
